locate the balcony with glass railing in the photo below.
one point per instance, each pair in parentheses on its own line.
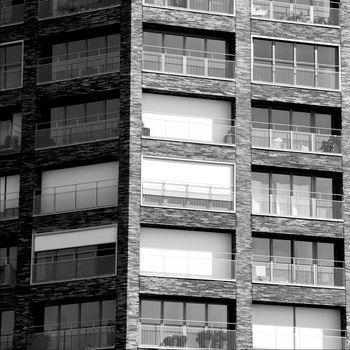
(66,132)
(187,195)
(188,129)
(68,269)
(303,74)
(88,335)
(9,205)
(187,264)
(226,7)
(325,206)
(188,62)
(10,13)
(187,334)
(297,338)
(321,12)
(75,197)
(58,8)
(6,340)
(11,76)
(78,64)
(10,137)
(302,271)
(7,272)
(296,138)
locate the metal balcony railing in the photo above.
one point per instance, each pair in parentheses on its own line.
(210,6)
(57,8)
(321,12)
(6,340)
(79,64)
(10,137)
(297,338)
(188,62)
(9,206)
(193,264)
(75,197)
(186,334)
(301,74)
(186,128)
(11,14)
(91,335)
(324,273)
(187,195)
(11,76)
(297,204)
(7,272)
(296,138)
(63,270)
(77,130)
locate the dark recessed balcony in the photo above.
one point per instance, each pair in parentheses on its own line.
(10,13)
(7,272)
(51,8)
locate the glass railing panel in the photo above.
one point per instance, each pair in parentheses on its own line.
(9,205)
(11,14)
(50,8)
(6,340)
(11,76)
(10,137)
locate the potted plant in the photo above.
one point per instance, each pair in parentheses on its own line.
(145,131)
(213,339)
(175,340)
(332,145)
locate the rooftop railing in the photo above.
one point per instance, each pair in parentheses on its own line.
(57,8)
(75,197)
(187,128)
(303,74)
(91,335)
(11,76)
(6,340)
(69,269)
(297,338)
(187,195)
(186,334)
(323,273)
(9,206)
(78,64)
(10,137)
(188,62)
(214,6)
(193,264)
(65,132)
(7,272)
(297,204)
(296,138)
(321,12)
(11,14)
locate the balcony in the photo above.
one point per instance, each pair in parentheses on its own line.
(297,338)
(11,14)
(75,197)
(97,335)
(186,335)
(296,138)
(226,7)
(11,76)
(9,205)
(321,13)
(187,264)
(187,196)
(7,273)
(66,132)
(188,62)
(284,270)
(78,65)
(324,206)
(10,138)
(6,340)
(188,129)
(51,8)
(303,74)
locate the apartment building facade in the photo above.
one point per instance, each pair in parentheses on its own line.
(174,174)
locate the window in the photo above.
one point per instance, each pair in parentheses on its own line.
(6,328)
(10,131)
(296,64)
(8,263)
(9,196)
(11,12)
(10,66)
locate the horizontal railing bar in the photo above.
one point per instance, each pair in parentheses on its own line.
(292,191)
(295,258)
(188,184)
(184,321)
(57,262)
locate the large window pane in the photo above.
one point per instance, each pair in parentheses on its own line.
(51,319)
(90,314)
(327,55)
(263,49)
(108,311)
(150,311)
(305,55)
(173,312)
(301,201)
(7,322)
(152,41)
(13,54)
(69,316)
(284,56)
(195,312)
(261,197)
(261,249)
(217,315)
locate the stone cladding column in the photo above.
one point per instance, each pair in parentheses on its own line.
(243,176)
(129,200)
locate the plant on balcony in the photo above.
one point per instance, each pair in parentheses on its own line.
(332,145)
(212,339)
(175,340)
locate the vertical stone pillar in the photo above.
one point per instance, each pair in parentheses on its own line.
(129,198)
(243,176)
